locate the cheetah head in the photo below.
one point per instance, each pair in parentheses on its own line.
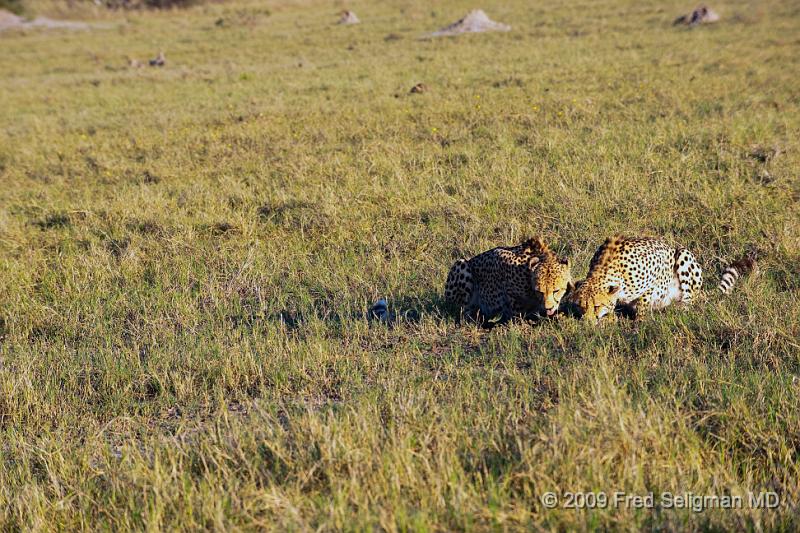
(552,279)
(593,301)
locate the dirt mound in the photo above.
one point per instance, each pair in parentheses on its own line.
(701,15)
(9,21)
(348,17)
(476,21)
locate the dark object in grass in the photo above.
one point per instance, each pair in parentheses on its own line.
(276,209)
(764,154)
(530,317)
(149,178)
(158,61)
(419,89)
(763,177)
(132,5)
(379,311)
(629,311)
(53,220)
(701,15)
(221,228)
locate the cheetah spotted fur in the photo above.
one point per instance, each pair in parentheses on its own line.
(509,281)
(642,272)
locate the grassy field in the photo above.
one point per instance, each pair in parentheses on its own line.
(187,254)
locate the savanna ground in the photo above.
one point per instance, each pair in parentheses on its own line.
(187,254)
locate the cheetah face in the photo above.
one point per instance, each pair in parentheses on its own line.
(594,302)
(552,279)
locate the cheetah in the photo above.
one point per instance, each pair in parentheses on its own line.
(523,280)
(629,273)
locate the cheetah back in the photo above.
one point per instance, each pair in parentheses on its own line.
(624,270)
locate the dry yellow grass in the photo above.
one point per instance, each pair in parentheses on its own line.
(187,252)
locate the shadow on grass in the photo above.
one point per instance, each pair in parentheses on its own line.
(399,311)
(393,312)
(402,311)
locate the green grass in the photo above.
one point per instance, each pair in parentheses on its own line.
(186,255)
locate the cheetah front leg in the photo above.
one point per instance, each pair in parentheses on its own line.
(633,309)
(506,312)
(494,302)
(487,301)
(689,276)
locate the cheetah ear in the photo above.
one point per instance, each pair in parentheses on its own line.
(570,286)
(536,245)
(565,262)
(613,289)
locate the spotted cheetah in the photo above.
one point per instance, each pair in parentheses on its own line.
(528,279)
(630,273)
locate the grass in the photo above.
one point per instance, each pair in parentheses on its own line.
(187,253)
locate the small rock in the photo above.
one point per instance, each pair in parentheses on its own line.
(419,88)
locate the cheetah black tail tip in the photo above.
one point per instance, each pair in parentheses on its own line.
(736,270)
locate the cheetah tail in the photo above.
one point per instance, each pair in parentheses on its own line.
(736,270)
